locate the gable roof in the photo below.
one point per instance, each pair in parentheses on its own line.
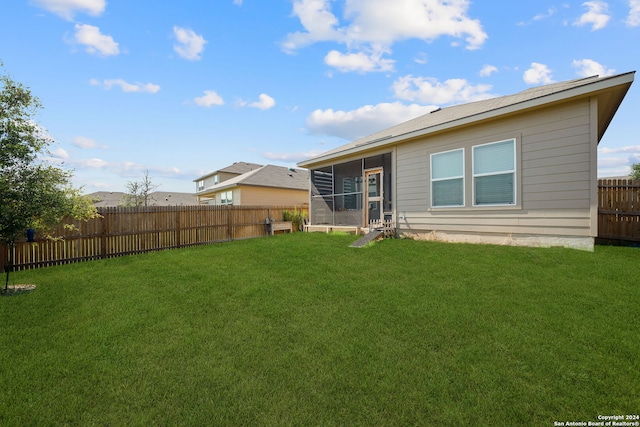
(240,167)
(237,168)
(267,176)
(609,90)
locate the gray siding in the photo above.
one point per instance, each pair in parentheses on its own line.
(554,154)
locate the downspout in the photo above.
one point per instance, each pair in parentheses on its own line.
(593,160)
(394,184)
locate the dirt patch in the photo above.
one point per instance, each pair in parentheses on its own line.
(18,289)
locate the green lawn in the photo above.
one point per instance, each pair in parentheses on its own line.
(303,330)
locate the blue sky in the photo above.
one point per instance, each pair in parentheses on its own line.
(184,88)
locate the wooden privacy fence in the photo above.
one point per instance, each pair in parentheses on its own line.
(619,209)
(124,231)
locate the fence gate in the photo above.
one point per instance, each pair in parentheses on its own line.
(619,210)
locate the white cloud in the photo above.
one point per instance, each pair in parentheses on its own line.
(127,169)
(617,161)
(41,131)
(360,62)
(633,149)
(375,25)
(190,45)
(364,120)
(237,2)
(487,70)
(94,41)
(291,157)
(319,22)
(126,87)
(431,91)
(83,142)
(633,19)
(60,153)
(597,15)
(86,143)
(209,98)
(588,67)
(384,22)
(68,8)
(549,13)
(537,74)
(89,163)
(617,166)
(539,17)
(422,58)
(266,102)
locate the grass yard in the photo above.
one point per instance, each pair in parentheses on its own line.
(302,330)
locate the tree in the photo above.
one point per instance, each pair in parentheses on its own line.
(139,192)
(635,171)
(33,194)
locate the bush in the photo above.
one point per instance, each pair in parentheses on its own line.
(296,217)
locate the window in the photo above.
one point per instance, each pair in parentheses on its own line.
(201,185)
(215,179)
(447,178)
(226,198)
(494,173)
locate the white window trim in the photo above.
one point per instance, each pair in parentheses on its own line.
(432,180)
(513,171)
(223,198)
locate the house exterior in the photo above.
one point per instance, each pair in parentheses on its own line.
(216,177)
(518,169)
(266,185)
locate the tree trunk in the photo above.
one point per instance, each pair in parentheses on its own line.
(9,267)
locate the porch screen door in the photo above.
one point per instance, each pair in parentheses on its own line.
(373,195)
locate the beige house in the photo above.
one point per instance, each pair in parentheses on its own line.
(248,184)
(216,177)
(518,169)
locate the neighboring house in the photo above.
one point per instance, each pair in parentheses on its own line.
(157,198)
(216,177)
(519,169)
(262,186)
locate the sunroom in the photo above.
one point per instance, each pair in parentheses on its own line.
(353,193)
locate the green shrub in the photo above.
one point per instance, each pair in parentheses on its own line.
(296,216)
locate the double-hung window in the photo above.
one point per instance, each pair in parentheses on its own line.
(494,174)
(226,198)
(447,178)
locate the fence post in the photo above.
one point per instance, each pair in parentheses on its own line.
(103,234)
(229,225)
(177,230)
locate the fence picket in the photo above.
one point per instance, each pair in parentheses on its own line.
(619,209)
(125,231)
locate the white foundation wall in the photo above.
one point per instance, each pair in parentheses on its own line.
(538,241)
